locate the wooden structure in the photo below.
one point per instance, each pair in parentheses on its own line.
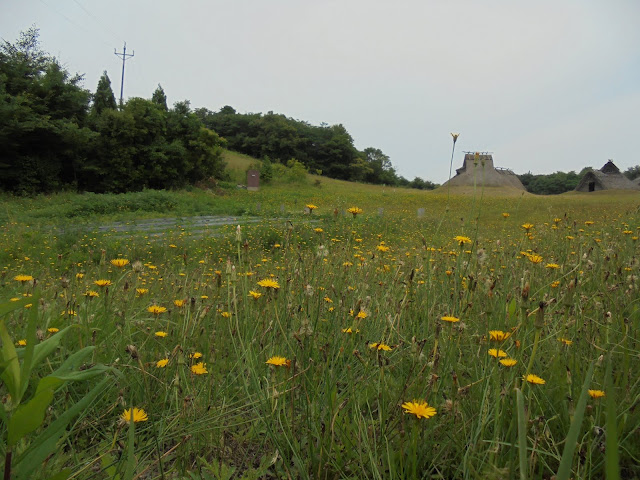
(253,180)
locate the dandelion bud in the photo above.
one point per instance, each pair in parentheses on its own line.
(245,245)
(228,270)
(64,282)
(525,291)
(539,321)
(238,233)
(132,350)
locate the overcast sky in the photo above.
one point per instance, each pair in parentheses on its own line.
(546,85)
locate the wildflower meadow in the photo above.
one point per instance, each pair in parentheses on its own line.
(342,333)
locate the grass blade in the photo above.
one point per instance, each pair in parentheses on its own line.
(522,434)
(611,459)
(564,470)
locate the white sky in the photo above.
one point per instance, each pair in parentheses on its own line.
(547,85)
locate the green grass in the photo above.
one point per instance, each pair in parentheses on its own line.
(334,409)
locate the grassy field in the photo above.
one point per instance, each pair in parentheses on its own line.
(449,334)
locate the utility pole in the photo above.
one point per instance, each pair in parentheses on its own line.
(124,55)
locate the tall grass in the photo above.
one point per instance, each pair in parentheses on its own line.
(358,317)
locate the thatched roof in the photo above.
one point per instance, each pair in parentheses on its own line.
(607,178)
(482,172)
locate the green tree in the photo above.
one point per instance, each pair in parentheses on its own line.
(43,115)
(159,98)
(103,98)
(632,172)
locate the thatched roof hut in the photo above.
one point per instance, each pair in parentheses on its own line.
(607,178)
(479,169)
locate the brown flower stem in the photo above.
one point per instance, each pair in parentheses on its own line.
(7,465)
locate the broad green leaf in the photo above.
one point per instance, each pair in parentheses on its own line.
(11,374)
(109,467)
(511,308)
(564,470)
(46,443)
(75,360)
(42,350)
(29,416)
(62,475)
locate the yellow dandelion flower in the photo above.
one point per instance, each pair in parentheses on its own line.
(22,343)
(496,353)
(199,368)
(23,278)
(103,283)
(91,294)
(498,335)
(195,355)
(565,341)
(354,210)
(449,319)
(53,330)
(135,414)
(535,259)
(527,226)
(254,295)
(420,409)
(508,362)
(180,303)
(382,248)
(269,283)
(162,363)
(505,215)
(596,393)
(534,379)
(119,262)
(156,309)
(142,291)
(361,314)
(278,361)
(460,240)
(555,284)
(161,334)
(225,314)
(311,207)
(380,346)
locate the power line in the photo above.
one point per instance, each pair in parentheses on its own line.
(124,55)
(115,34)
(71,21)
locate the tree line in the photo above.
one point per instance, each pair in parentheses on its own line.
(57,135)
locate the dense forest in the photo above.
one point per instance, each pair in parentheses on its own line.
(56,135)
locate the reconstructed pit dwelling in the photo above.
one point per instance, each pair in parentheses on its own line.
(607,178)
(478,169)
